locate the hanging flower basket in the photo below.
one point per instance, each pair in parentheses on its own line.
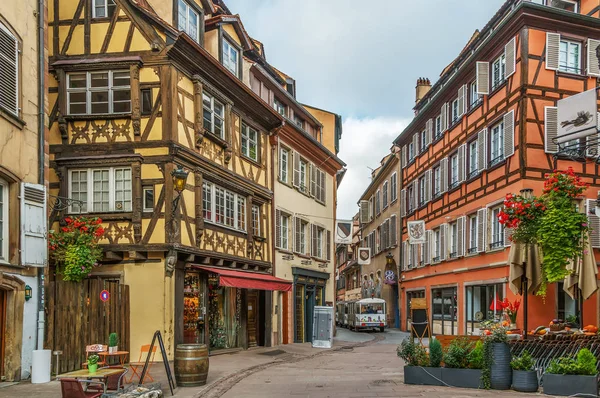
(74,248)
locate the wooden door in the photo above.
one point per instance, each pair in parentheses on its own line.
(285,318)
(2,331)
(252,318)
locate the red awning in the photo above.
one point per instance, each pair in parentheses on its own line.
(247,280)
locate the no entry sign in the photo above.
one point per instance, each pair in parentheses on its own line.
(104,295)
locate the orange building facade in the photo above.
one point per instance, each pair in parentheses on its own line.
(483,130)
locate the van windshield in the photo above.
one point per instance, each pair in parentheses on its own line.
(371,309)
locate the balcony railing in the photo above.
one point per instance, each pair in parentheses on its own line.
(472,250)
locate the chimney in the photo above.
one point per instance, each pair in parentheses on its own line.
(423,87)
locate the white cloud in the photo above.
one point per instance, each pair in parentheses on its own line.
(364,142)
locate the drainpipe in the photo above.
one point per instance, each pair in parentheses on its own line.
(274,304)
(41,155)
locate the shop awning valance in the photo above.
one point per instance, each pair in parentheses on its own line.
(247,280)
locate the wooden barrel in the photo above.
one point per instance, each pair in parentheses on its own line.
(191,365)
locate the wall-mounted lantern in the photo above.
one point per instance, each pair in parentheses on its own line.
(179,179)
(28,292)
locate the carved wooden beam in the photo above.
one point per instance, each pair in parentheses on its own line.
(112,256)
(135,101)
(198,118)
(135,255)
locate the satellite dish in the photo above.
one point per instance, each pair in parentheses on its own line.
(478,316)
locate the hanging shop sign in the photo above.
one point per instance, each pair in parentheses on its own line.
(577,116)
(343,232)
(416,232)
(364,255)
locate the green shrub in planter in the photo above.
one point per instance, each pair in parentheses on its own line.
(475,357)
(416,370)
(568,376)
(457,353)
(524,376)
(435,353)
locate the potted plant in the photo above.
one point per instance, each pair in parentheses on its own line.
(511,310)
(462,364)
(524,375)
(92,363)
(496,372)
(113,341)
(417,369)
(569,377)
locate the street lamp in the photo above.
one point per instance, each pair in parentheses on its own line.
(389,260)
(179,180)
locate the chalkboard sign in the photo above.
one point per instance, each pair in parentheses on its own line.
(419,323)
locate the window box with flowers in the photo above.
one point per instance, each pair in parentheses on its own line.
(74,247)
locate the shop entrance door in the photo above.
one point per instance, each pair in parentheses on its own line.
(2,331)
(308,315)
(252,318)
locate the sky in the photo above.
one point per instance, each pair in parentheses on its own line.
(361,59)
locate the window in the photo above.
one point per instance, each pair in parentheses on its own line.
(320,191)
(474,98)
(498,71)
(319,242)
(187,20)
(256,221)
(569,59)
(100,190)
(453,232)
(285,232)
(422,191)
(437,181)
(566,305)
(497,140)
(91,93)
(423,140)
(223,207)
(147,102)
(231,57)
(104,8)
(411,152)
(303,175)
(299,122)
(483,304)
(303,236)
(394,188)
(454,171)
(148,197)
(567,5)
(444,309)
(455,111)
(249,142)
(9,61)
(497,230)
(472,249)
(214,114)
(410,194)
(3,221)
(473,159)
(279,107)
(437,245)
(284,161)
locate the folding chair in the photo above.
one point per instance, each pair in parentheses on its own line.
(71,388)
(136,367)
(94,349)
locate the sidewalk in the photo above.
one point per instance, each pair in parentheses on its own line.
(221,366)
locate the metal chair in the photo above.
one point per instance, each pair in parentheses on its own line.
(114,382)
(72,388)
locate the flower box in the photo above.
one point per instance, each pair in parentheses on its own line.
(568,385)
(462,378)
(425,376)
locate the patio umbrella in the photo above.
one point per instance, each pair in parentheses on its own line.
(525,272)
(582,281)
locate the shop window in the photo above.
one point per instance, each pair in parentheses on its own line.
(483,304)
(444,311)
(224,320)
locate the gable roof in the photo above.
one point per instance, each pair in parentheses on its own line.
(236,22)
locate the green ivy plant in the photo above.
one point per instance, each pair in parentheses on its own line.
(497,335)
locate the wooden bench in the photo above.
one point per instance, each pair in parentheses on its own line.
(445,340)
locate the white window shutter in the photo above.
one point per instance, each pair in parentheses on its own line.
(9,72)
(364,212)
(507,235)
(427,248)
(416,143)
(328,245)
(297,235)
(416,193)
(509,134)
(313,180)
(483,77)
(313,238)
(462,100)
(593,223)
(510,53)
(552,50)
(550,129)
(34,246)
(393,231)
(444,117)
(405,255)
(460,238)
(593,64)
(462,162)
(443,239)
(296,175)
(403,203)
(428,185)
(482,150)
(444,175)
(278,228)
(481,229)
(429,131)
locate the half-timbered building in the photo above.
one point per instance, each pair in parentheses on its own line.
(483,130)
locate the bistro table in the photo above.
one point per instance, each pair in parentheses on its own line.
(121,355)
(100,374)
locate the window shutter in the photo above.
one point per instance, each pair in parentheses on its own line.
(415,255)
(297,236)
(427,185)
(593,223)
(427,248)
(416,144)
(444,175)
(482,150)
(507,235)
(443,238)
(510,53)
(296,175)
(328,245)
(404,156)
(481,229)
(373,244)
(378,202)
(550,129)
(429,131)
(385,195)
(444,117)
(405,255)
(483,77)
(364,212)
(593,64)
(416,194)
(393,233)
(34,247)
(462,103)
(460,238)
(323,186)
(552,50)
(403,203)
(509,134)
(462,162)
(313,238)
(9,59)
(386,233)
(313,180)
(278,229)
(593,143)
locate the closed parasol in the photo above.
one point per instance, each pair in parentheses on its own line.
(583,278)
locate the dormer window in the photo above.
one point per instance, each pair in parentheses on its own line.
(231,57)
(567,5)
(299,122)
(279,107)
(104,8)
(188,20)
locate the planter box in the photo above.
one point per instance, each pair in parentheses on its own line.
(423,376)
(525,380)
(567,385)
(462,378)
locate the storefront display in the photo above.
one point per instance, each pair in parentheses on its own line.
(224,306)
(193,318)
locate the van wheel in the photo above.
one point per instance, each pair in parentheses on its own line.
(381,329)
